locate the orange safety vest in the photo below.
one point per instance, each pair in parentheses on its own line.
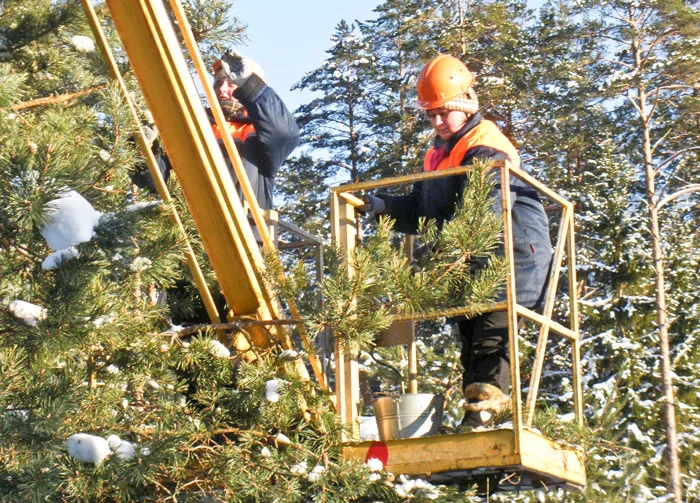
(484,134)
(238,130)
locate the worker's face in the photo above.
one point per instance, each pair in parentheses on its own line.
(446,122)
(223,88)
(230,106)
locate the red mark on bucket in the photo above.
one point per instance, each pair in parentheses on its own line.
(378,450)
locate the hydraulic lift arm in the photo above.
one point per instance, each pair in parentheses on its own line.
(160,67)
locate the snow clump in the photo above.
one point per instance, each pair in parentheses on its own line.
(299,468)
(218,349)
(283,439)
(88,448)
(70,220)
(272,390)
(123,449)
(140,264)
(316,473)
(420,487)
(374,465)
(83,44)
(29,313)
(58,257)
(288,355)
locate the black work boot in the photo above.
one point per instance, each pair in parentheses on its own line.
(476,419)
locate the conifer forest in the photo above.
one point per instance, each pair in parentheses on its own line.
(116,386)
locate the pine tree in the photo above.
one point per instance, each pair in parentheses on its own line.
(616,315)
(213,25)
(492,38)
(81,363)
(565,116)
(400,41)
(336,121)
(301,187)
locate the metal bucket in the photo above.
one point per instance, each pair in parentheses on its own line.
(408,416)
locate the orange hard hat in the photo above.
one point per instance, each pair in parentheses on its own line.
(442,79)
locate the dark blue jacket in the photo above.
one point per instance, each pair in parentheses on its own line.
(276,135)
(262,152)
(437,199)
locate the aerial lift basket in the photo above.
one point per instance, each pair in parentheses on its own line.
(517,457)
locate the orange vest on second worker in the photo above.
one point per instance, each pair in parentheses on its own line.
(485,134)
(237,130)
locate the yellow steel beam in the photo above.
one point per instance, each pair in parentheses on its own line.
(573,319)
(272,303)
(161,187)
(470,310)
(353,200)
(546,322)
(347,380)
(397,180)
(412,346)
(547,315)
(427,175)
(511,300)
(159,66)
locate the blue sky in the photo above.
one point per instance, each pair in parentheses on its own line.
(289,38)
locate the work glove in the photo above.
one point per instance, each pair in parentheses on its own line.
(150,134)
(238,68)
(373,205)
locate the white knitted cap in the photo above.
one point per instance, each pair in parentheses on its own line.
(467,102)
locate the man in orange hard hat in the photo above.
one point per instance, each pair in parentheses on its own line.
(445,92)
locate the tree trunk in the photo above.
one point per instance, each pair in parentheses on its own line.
(674,472)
